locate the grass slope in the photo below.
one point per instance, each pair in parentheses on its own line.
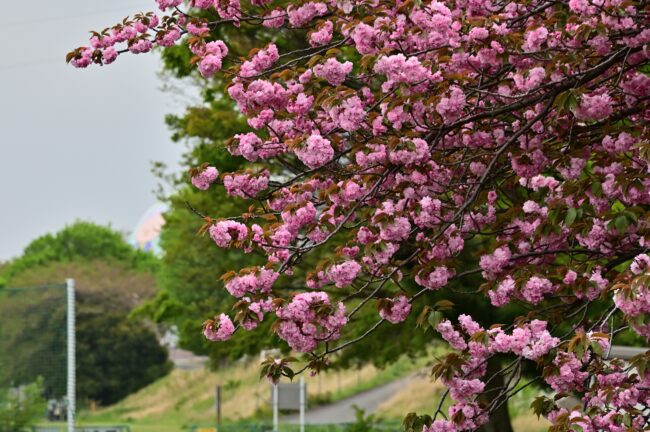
(187,397)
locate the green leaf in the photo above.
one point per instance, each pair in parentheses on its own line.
(597,348)
(288,372)
(631,216)
(434,318)
(570,216)
(561,99)
(597,189)
(542,405)
(644,69)
(618,207)
(621,224)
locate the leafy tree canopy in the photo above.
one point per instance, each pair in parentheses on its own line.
(411,139)
(116,355)
(79,241)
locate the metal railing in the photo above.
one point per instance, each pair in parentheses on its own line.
(625,352)
(114,428)
(262,427)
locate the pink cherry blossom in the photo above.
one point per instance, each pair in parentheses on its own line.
(205,178)
(345,273)
(436,279)
(494,152)
(333,71)
(308,318)
(398,311)
(451,107)
(503,293)
(594,107)
(640,264)
(262,60)
(219,330)
(225,232)
(536,288)
(260,281)
(495,263)
(317,151)
(323,35)
(246,185)
(302,15)
(350,114)
(534,39)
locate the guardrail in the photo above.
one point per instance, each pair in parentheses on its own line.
(380,427)
(625,352)
(115,428)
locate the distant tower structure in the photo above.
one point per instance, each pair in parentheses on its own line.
(146,234)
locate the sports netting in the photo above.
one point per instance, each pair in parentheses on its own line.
(33,342)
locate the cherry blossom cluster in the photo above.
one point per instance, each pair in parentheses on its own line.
(227,232)
(251,281)
(205,177)
(422,144)
(395,310)
(609,389)
(310,318)
(246,185)
(530,340)
(137,35)
(251,313)
(634,299)
(219,329)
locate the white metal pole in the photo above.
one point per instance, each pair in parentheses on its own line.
(71,355)
(275,408)
(302,404)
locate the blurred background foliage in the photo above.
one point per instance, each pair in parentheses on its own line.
(116,355)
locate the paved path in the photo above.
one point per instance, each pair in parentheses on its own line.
(625,352)
(342,411)
(183,359)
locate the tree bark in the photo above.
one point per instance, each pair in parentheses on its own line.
(499,419)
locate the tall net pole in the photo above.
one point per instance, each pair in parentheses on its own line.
(72,370)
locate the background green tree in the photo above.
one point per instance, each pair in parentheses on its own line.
(116,355)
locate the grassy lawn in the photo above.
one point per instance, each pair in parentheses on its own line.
(422,395)
(186,398)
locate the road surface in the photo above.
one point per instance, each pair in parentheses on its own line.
(342,411)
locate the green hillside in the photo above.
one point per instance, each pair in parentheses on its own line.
(187,397)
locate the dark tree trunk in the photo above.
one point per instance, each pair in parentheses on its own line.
(500,419)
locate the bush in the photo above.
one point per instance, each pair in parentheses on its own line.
(20,408)
(363,423)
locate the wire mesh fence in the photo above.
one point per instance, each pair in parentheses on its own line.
(33,347)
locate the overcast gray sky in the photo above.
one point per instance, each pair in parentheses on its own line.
(75,144)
